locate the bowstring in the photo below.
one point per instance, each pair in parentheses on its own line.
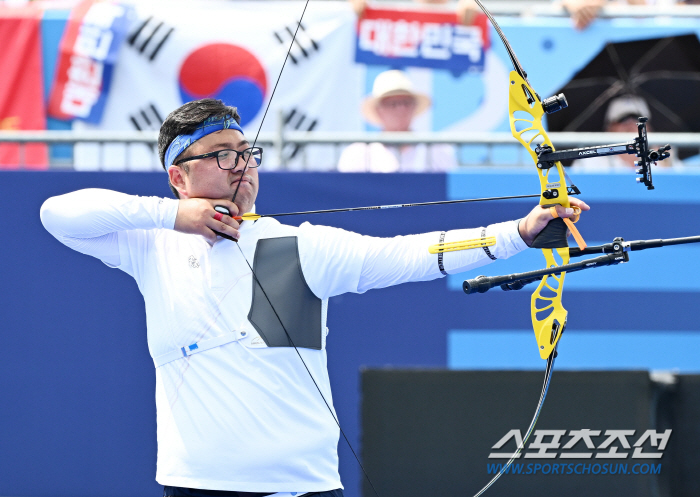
(545,387)
(233,199)
(550,360)
(335,418)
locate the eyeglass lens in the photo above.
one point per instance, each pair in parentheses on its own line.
(227,158)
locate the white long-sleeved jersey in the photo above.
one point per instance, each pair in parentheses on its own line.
(243,416)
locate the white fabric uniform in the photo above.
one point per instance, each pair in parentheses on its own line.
(242,416)
(601,164)
(380,158)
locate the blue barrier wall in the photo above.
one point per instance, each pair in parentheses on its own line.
(78,412)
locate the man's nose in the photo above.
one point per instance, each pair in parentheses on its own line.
(240,164)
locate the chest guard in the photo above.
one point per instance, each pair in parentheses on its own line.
(278,270)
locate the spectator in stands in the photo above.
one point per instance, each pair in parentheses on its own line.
(584,12)
(392,106)
(620,117)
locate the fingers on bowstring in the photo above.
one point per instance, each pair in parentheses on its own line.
(572,212)
(577,202)
(223,224)
(224,215)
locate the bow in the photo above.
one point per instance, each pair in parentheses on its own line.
(525,111)
(549,317)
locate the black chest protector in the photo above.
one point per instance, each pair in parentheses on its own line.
(278,270)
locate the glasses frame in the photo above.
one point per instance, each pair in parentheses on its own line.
(216,153)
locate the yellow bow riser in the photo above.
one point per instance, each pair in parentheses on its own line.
(548,314)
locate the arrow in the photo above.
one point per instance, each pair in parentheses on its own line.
(251,216)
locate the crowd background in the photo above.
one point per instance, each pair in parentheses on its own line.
(78,411)
(119,67)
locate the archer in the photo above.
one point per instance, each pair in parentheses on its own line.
(230,315)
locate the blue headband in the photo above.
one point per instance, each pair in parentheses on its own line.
(210,125)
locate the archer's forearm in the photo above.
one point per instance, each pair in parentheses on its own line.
(94,212)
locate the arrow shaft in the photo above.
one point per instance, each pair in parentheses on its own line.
(395,206)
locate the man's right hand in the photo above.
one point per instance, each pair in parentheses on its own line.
(197,216)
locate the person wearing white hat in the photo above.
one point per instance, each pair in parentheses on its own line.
(392,106)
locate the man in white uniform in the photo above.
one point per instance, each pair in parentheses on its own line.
(239,415)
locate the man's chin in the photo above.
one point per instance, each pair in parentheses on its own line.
(244,201)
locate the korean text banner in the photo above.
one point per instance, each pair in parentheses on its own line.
(88,52)
(22,101)
(417,38)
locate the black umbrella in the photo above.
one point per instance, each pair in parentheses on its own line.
(663,71)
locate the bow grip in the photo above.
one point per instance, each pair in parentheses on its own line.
(552,236)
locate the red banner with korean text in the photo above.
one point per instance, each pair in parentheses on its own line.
(88,54)
(21,85)
(421,38)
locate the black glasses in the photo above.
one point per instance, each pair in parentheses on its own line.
(227,159)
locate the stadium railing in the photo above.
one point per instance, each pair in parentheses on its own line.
(281,142)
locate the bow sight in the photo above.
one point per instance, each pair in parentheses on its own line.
(639,147)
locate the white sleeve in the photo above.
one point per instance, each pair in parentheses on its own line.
(90,220)
(335,261)
(390,261)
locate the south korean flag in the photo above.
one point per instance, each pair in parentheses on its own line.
(176,52)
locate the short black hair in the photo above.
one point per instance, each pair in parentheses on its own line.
(185,119)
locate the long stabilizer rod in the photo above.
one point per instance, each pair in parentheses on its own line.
(616,253)
(609,248)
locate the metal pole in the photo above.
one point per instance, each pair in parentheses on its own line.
(279,139)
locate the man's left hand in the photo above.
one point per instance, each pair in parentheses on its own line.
(530,226)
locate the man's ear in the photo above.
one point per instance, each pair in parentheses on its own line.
(177,179)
